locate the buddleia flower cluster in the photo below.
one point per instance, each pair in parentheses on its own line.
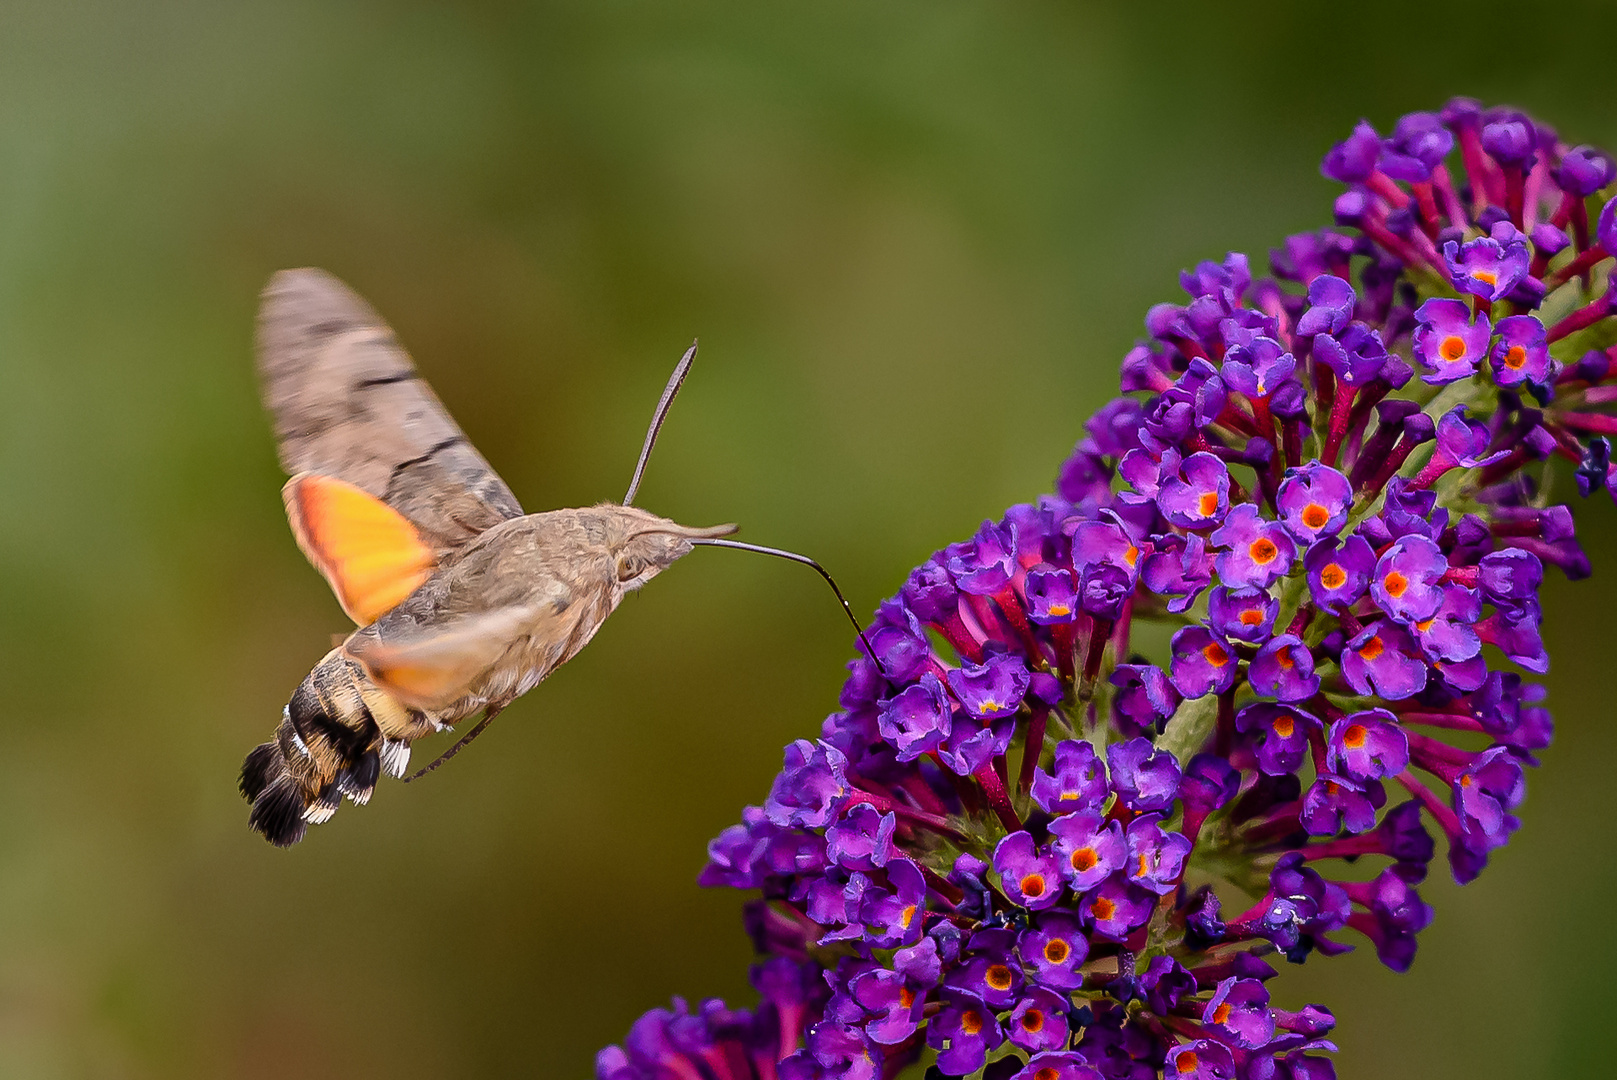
(1216,704)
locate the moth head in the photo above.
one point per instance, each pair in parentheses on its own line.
(643,544)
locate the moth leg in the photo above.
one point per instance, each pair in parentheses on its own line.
(489,713)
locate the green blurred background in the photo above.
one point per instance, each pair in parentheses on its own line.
(915,239)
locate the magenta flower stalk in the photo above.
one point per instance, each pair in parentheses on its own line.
(1046,852)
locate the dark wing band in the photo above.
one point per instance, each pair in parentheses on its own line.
(348,403)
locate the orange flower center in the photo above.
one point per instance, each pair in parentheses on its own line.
(1395,583)
(1453,348)
(1103,908)
(1215,654)
(971,1022)
(1084,859)
(1131,555)
(906,997)
(1056,951)
(1221,1014)
(1353,737)
(1372,648)
(1333,576)
(1185,1062)
(907,916)
(1263,551)
(1208,504)
(1487,277)
(1285,660)
(1033,1020)
(1032,885)
(1251,617)
(998,977)
(1284,725)
(1515,357)
(1315,516)
(1048,1072)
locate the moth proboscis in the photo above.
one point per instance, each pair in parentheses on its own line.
(463,602)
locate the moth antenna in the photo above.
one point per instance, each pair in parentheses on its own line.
(806,561)
(681,369)
(488,718)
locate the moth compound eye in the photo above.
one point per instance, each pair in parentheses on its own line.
(630,567)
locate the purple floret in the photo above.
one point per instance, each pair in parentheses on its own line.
(1239,1010)
(1382,661)
(1330,306)
(1450,634)
(1053,1065)
(1089,848)
(1029,876)
(1155,858)
(811,787)
(1198,496)
(1052,597)
(1354,158)
(1039,1020)
(1245,614)
(1144,778)
(1418,144)
(1203,1059)
(1115,909)
(1584,170)
(963,1033)
(1448,342)
(1520,355)
(1284,670)
(916,719)
(862,840)
(1334,804)
(1202,663)
(1405,582)
(1367,746)
(1339,573)
(1465,442)
(1258,368)
(1258,552)
(1145,700)
(1179,568)
(1054,948)
(1489,266)
(1313,502)
(1281,732)
(895,1005)
(992,689)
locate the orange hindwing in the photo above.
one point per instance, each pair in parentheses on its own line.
(370,554)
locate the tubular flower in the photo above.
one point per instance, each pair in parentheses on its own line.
(1036,842)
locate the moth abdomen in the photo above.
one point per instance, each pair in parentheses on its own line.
(278,811)
(328,745)
(262,766)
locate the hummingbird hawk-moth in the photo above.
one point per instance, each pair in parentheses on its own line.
(463,602)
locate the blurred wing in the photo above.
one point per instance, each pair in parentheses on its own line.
(348,403)
(372,557)
(431,668)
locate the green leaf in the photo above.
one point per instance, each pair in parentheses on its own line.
(1190,726)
